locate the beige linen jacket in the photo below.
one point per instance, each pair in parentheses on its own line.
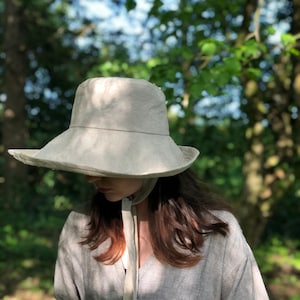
(228,270)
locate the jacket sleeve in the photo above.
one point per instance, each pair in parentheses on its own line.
(68,281)
(241,276)
(65,286)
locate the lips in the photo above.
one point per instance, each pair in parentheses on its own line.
(103,190)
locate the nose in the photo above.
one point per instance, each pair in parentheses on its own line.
(92,179)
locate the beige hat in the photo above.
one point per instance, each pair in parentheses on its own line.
(118,128)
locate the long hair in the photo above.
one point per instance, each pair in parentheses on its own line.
(180,217)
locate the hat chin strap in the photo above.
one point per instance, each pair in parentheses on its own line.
(144,191)
(130,257)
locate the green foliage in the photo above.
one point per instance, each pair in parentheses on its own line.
(209,49)
(285,220)
(279,261)
(29,232)
(28,249)
(130,4)
(277,253)
(289,42)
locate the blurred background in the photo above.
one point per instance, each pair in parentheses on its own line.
(231,74)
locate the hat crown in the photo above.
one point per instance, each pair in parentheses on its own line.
(124,104)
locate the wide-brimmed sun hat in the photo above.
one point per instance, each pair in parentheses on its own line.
(118,128)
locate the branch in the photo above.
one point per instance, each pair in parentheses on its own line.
(256,22)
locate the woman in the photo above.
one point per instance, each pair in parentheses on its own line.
(152,231)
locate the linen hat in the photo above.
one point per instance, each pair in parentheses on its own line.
(118,128)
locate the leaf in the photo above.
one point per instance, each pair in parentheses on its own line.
(254,73)
(232,65)
(130,4)
(208,49)
(154,11)
(271,30)
(288,39)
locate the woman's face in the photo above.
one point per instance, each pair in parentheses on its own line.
(115,189)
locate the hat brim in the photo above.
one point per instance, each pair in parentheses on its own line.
(110,153)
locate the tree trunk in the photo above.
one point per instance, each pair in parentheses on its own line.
(250,205)
(269,174)
(15,131)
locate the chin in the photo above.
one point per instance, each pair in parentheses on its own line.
(113,199)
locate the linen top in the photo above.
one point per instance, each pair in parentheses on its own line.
(227,270)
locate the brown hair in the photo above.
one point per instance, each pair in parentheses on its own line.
(180,217)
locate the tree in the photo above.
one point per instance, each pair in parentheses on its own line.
(14,130)
(270,162)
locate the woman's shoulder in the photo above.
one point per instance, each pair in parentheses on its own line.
(234,241)
(76,226)
(226,217)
